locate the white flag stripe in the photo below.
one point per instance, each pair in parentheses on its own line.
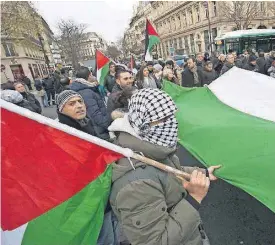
(247,91)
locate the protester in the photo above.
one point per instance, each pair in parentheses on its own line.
(215,58)
(200,61)
(71,110)
(144,80)
(158,72)
(160,209)
(16,98)
(48,84)
(270,59)
(219,65)
(150,67)
(122,89)
(27,82)
(191,76)
(168,76)
(261,62)
(252,64)
(8,85)
(237,60)
(110,78)
(40,90)
(65,83)
(271,70)
(206,57)
(209,74)
(169,64)
(95,104)
(34,103)
(230,62)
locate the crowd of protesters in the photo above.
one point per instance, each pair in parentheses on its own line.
(131,110)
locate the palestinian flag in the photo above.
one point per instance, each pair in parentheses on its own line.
(102,66)
(55,181)
(232,122)
(151,38)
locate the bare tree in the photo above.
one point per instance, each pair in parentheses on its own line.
(240,12)
(20,22)
(71,35)
(112,51)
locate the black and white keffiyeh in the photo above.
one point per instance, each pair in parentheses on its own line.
(153,105)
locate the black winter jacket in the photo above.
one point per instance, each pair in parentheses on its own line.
(187,79)
(96,109)
(34,103)
(86,127)
(209,76)
(109,82)
(218,67)
(251,67)
(48,83)
(116,88)
(226,67)
(261,62)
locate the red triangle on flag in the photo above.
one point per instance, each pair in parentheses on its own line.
(150,29)
(101,60)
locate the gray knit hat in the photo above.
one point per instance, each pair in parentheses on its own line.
(64,96)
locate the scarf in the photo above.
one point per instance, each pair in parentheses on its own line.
(194,70)
(152,105)
(83,81)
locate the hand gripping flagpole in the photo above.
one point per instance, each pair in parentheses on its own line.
(92,139)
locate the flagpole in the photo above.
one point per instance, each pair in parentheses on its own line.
(92,139)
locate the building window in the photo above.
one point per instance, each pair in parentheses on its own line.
(184,19)
(215,8)
(262,6)
(191,17)
(36,70)
(198,14)
(180,43)
(186,45)
(9,49)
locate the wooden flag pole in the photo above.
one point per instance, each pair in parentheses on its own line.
(179,174)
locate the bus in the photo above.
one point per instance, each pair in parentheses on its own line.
(246,39)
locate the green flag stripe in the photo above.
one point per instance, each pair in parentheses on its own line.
(152,41)
(75,222)
(218,134)
(104,71)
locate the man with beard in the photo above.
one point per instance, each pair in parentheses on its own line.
(192,76)
(124,85)
(34,103)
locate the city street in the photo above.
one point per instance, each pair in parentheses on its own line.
(230,216)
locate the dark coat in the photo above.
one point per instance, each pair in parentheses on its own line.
(209,76)
(261,62)
(116,88)
(109,82)
(38,84)
(214,61)
(187,79)
(218,67)
(96,109)
(226,67)
(48,83)
(86,128)
(251,67)
(239,63)
(34,103)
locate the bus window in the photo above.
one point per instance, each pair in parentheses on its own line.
(263,44)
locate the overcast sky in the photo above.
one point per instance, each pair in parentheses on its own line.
(108,18)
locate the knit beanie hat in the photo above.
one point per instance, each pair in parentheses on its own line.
(64,96)
(252,58)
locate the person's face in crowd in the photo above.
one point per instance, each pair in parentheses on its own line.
(125,80)
(145,72)
(230,59)
(75,108)
(170,74)
(245,52)
(150,68)
(20,88)
(112,68)
(190,64)
(222,57)
(209,67)
(200,57)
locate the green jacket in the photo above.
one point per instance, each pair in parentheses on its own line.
(151,205)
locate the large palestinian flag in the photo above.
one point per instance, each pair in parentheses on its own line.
(232,122)
(102,66)
(151,39)
(55,182)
